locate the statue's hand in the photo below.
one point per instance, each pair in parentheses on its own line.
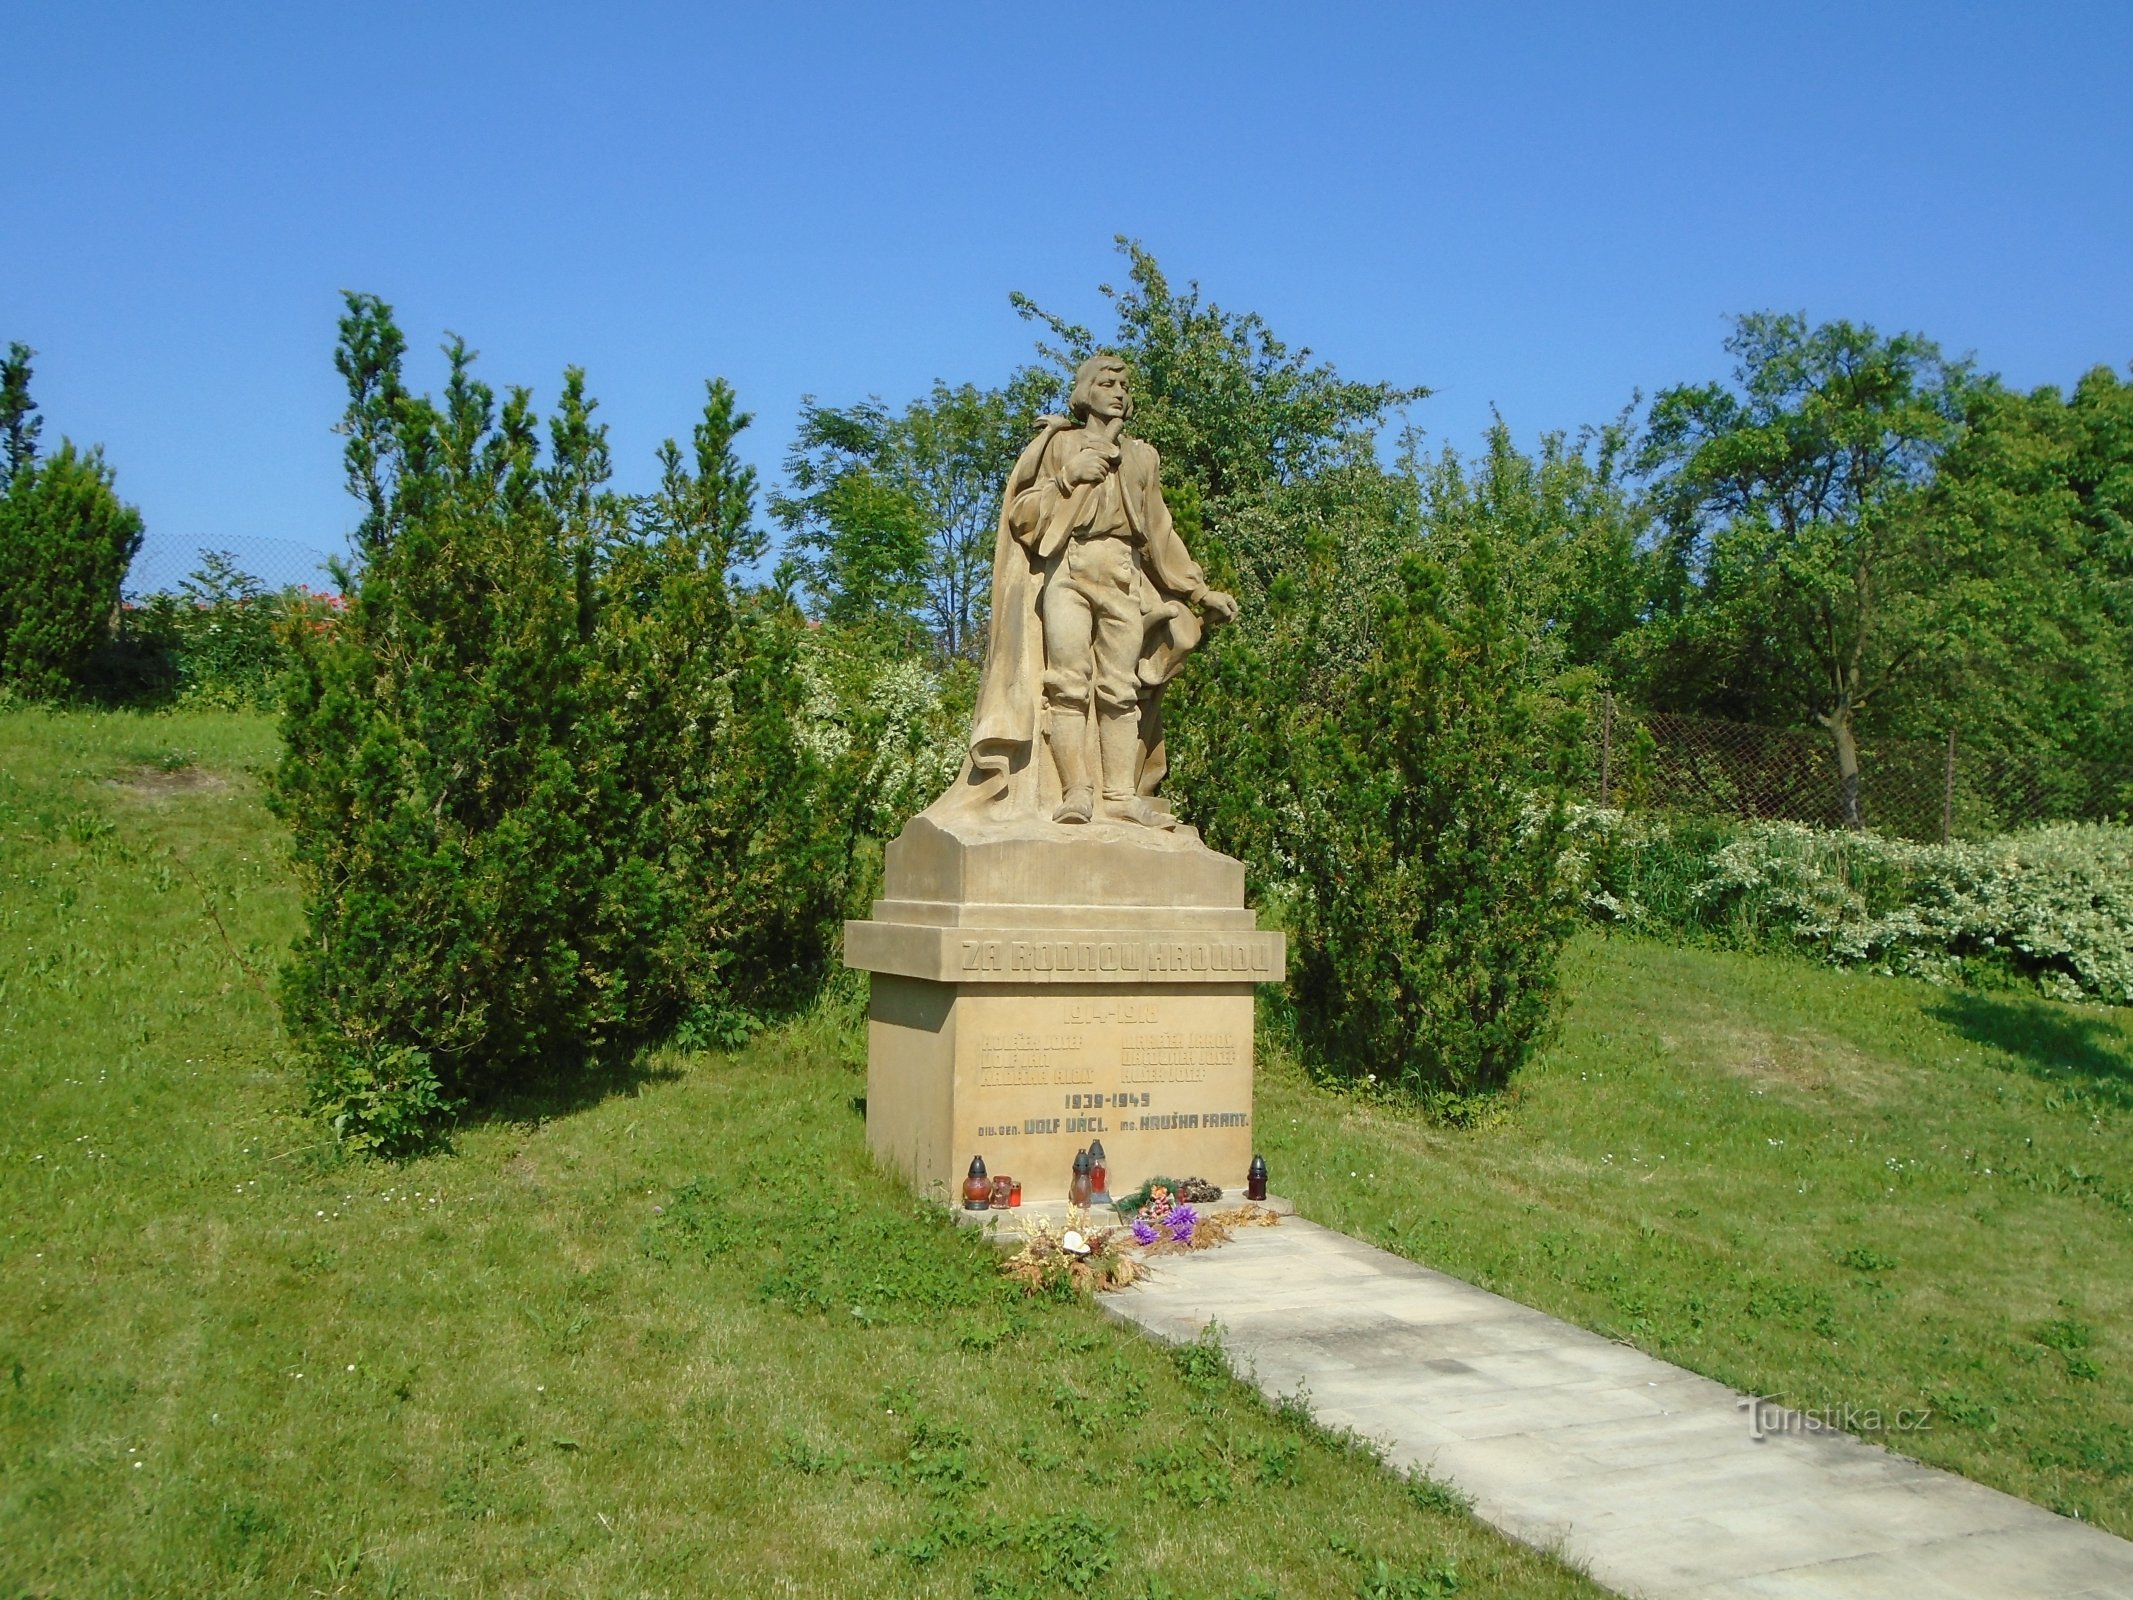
(1087,466)
(1221,607)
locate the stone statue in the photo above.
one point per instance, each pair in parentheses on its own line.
(1093,597)
(1046,921)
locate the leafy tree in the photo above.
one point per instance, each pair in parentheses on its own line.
(892,515)
(1267,453)
(866,560)
(1566,530)
(1795,575)
(2041,484)
(1229,406)
(66,540)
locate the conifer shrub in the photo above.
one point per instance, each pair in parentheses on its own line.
(66,540)
(1431,898)
(544,795)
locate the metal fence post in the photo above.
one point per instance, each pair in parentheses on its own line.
(1607,745)
(1947,793)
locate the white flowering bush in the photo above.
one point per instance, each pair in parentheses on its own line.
(2050,907)
(917,749)
(894,724)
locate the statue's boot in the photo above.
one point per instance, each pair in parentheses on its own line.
(1140,809)
(1077,801)
(1118,735)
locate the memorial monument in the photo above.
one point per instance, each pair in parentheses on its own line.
(1055,958)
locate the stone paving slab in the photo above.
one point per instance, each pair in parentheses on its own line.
(1642,1473)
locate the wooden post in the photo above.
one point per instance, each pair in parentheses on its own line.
(1947,793)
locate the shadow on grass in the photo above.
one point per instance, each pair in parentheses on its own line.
(2052,1042)
(548,1098)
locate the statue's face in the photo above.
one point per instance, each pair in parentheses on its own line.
(1109,398)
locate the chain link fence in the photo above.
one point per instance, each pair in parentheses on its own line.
(163,567)
(1913,789)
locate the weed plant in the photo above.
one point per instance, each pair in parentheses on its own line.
(221,642)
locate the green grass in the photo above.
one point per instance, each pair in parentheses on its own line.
(672,1338)
(675,1337)
(1840,1189)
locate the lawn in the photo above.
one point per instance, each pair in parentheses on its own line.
(672,1338)
(675,1337)
(1865,1195)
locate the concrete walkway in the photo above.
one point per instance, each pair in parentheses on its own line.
(1646,1475)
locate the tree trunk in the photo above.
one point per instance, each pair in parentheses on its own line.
(1838,720)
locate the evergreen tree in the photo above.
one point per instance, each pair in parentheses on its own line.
(543,793)
(66,540)
(1432,901)
(19,423)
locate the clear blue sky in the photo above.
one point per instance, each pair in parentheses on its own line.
(1541,208)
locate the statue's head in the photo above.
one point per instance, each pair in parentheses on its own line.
(1100,372)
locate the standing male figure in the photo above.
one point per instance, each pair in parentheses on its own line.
(1091,590)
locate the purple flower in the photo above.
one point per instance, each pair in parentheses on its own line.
(1144,1231)
(1180,1222)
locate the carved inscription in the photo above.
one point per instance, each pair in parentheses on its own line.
(1211,955)
(1176,1057)
(1127,1013)
(1169,1121)
(1163,1078)
(1009,1059)
(1248,956)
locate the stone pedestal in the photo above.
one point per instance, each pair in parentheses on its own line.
(1037,986)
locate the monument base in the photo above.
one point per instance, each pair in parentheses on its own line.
(1036,988)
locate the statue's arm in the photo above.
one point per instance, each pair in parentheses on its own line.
(1026,515)
(1172,565)
(1035,489)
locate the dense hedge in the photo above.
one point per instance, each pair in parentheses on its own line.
(1432,900)
(1397,789)
(543,780)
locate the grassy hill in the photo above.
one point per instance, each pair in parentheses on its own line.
(677,1338)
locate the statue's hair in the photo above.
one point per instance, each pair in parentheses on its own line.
(1085,378)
